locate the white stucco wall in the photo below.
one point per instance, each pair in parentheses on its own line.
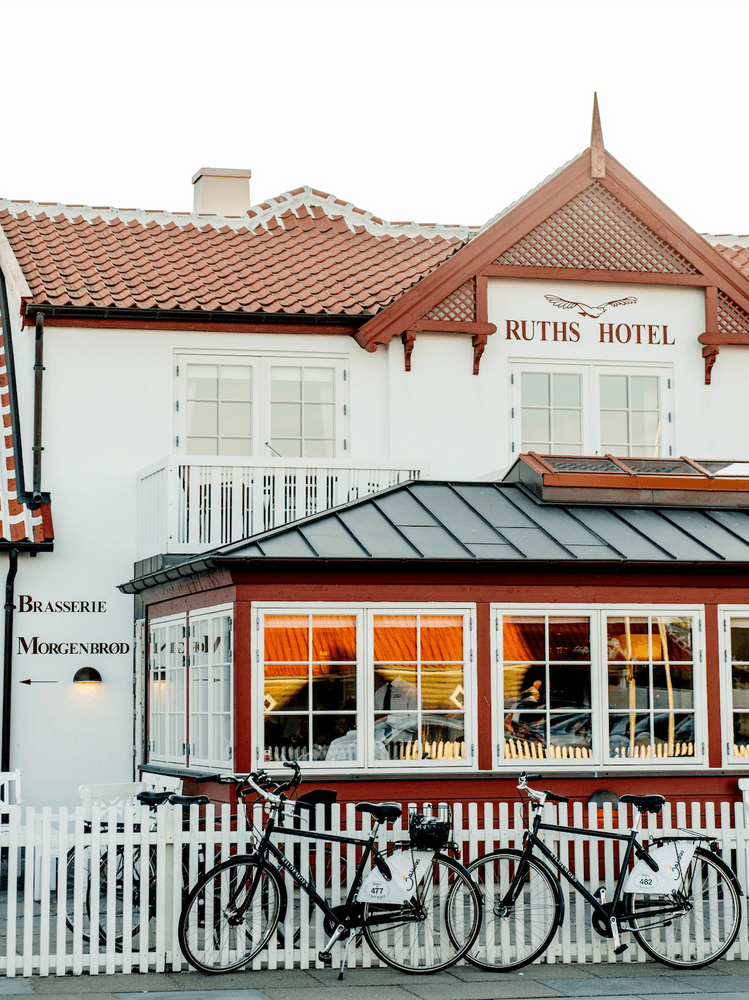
(109,412)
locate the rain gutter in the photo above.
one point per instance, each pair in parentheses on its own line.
(8,658)
(207,316)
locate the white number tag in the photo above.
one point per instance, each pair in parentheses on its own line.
(672,859)
(408,868)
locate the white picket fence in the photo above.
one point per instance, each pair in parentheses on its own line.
(47,908)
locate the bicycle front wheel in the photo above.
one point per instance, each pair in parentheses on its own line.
(435,930)
(514,931)
(696,924)
(230,915)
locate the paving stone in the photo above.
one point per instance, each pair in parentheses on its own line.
(14,987)
(360,993)
(107,985)
(497,990)
(247,994)
(713,995)
(645,985)
(379,976)
(717,984)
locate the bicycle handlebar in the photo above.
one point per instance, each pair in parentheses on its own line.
(262,784)
(533,793)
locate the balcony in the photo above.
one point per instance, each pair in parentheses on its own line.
(188,506)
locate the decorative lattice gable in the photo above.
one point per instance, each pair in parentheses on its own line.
(595,231)
(458,306)
(732,318)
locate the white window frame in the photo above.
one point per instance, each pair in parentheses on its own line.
(725,613)
(163,746)
(261,364)
(178,723)
(217,674)
(591,401)
(601,758)
(365,612)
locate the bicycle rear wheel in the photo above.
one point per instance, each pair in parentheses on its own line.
(433,932)
(212,936)
(513,933)
(699,922)
(95,876)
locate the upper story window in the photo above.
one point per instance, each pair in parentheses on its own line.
(591,409)
(253,406)
(604,685)
(372,686)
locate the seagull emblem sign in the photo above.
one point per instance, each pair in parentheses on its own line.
(593,311)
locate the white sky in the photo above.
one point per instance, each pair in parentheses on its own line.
(417,109)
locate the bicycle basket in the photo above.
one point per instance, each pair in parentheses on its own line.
(428,833)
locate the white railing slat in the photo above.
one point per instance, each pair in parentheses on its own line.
(50,916)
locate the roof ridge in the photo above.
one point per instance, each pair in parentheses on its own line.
(256,216)
(726,239)
(353,215)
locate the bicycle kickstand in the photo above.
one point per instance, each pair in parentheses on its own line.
(349,939)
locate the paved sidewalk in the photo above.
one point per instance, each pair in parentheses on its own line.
(722,980)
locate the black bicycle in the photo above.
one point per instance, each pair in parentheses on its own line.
(679,899)
(89,875)
(417,908)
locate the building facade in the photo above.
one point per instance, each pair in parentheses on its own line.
(186,387)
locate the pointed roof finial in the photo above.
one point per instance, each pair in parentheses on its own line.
(597,152)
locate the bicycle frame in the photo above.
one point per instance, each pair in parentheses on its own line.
(348,915)
(606,910)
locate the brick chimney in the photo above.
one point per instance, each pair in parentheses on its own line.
(221,191)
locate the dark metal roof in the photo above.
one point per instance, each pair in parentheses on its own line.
(423,521)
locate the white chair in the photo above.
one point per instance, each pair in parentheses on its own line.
(122,796)
(161,782)
(10,790)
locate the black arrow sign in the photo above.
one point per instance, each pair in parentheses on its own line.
(29,681)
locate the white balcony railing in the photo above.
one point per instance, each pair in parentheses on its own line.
(192,505)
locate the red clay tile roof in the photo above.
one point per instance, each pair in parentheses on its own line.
(302,253)
(17,522)
(735,252)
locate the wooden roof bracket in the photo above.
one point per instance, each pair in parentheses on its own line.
(710,351)
(409,339)
(479,343)
(480,333)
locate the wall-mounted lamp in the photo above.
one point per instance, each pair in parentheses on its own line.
(87,675)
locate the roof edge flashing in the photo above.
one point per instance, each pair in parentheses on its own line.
(608,480)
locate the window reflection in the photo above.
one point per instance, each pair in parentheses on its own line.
(547,686)
(651,676)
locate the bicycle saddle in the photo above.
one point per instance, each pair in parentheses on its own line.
(153,798)
(385,812)
(645,803)
(189,800)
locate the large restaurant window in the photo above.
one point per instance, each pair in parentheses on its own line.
(591,409)
(734,634)
(372,686)
(602,685)
(190,709)
(236,405)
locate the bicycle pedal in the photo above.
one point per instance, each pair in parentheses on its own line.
(326,958)
(620,949)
